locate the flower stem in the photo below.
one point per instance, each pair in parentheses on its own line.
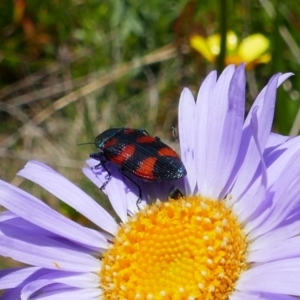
(223,32)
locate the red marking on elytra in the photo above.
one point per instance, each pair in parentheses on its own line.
(128,131)
(126,153)
(167,152)
(145,168)
(111,142)
(145,139)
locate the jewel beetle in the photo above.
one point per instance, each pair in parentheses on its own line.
(139,154)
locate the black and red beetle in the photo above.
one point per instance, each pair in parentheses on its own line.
(139,154)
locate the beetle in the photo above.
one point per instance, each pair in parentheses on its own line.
(139,154)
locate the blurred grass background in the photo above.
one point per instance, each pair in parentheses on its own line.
(71,69)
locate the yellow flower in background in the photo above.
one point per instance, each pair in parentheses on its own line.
(252,50)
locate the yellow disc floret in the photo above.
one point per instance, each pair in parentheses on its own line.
(190,248)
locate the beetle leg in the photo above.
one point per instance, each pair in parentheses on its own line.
(139,200)
(144,131)
(99,156)
(175,193)
(108,178)
(175,133)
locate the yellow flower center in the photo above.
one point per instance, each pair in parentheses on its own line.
(190,248)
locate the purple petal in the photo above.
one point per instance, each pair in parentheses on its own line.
(14,277)
(276,236)
(70,194)
(260,100)
(115,190)
(274,141)
(217,108)
(71,294)
(288,249)
(280,277)
(237,295)
(84,280)
(21,229)
(272,296)
(231,132)
(186,123)
(249,158)
(287,188)
(256,191)
(202,122)
(38,213)
(122,193)
(47,253)
(280,157)
(11,294)
(279,184)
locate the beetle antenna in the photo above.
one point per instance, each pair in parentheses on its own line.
(88,143)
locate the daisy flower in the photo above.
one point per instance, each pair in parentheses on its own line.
(233,235)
